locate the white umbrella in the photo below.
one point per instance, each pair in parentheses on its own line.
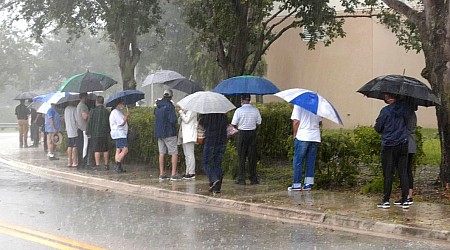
(52,98)
(161,76)
(312,102)
(206,102)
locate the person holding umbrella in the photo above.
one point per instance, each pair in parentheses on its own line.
(82,139)
(246,119)
(22,113)
(391,124)
(118,123)
(70,113)
(166,132)
(98,130)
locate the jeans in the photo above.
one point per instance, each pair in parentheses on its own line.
(213,152)
(304,151)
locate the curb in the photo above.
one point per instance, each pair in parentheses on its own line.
(280,213)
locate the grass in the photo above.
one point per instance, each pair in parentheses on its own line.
(431,147)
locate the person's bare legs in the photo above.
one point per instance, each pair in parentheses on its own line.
(106,158)
(97,158)
(50,145)
(174,164)
(161,164)
(69,156)
(74,157)
(120,154)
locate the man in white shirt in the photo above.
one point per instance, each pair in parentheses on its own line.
(245,119)
(306,128)
(70,113)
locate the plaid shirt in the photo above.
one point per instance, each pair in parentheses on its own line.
(98,123)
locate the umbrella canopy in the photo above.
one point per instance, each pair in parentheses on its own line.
(184,85)
(87,82)
(52,98)
(63,102)
(246,85)
(128,96)
(162,76)
(206,102)
(312,102)
(418,92)
(25,96)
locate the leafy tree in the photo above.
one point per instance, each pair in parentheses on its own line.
(240,32)
(123,21)
(16,58)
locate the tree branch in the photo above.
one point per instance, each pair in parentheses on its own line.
(273,26)
(414,16)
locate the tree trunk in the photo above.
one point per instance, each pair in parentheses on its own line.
(129,56)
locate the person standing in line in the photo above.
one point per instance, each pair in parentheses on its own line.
(214,148)
(52,127)
(82,139)
(166,132)
(34,128)
(246,119)
(391,124)
(22,113)
(70,113)
(98,130)
(188,138)
(306,131)
(411,124)
(118,123)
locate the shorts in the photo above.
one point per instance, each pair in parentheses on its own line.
(100,144)
(121,143)
(72,142)
(168,145)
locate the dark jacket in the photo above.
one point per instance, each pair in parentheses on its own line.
(98,123)
(391,124)
(165,119)
(215,126)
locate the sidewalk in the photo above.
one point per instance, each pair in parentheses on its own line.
(347,211)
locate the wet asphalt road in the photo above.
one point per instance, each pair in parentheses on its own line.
(111,220)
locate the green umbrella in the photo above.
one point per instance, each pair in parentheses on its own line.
(87,82)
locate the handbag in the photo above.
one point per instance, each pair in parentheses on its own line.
(200,134)
(132,135)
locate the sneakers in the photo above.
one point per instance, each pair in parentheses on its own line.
(384,204)
(291,188)
(188,176)
(307,187)
(404,204)
(410,201)
(176,177)
(163,178)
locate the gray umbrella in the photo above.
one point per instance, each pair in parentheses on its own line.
(25,96)
(161,76)
(416,91)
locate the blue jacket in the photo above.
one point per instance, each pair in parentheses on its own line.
(391,124)
(165,119)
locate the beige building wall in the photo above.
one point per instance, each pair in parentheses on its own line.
(336,72)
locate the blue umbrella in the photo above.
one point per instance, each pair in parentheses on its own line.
(252,85)
(312,102)
(128,96)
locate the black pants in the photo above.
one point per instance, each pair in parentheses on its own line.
(246,146)
(395,157)
(410,171)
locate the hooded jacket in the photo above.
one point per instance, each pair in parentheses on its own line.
(165,119)
(391,124)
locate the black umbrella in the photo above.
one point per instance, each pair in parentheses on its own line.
(184,85)
(417,91)
(87,82)
(25,96)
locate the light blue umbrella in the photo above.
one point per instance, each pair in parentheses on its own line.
(251,85)
(312,102)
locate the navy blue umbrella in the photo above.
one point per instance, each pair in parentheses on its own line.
(251,85)
(128,96)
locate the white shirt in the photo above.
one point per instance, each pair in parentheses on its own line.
(116,118)
(70,113)
(308,128)
(246,117)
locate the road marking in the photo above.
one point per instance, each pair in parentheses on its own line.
(44,238)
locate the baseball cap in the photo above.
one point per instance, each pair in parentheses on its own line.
(168,93)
